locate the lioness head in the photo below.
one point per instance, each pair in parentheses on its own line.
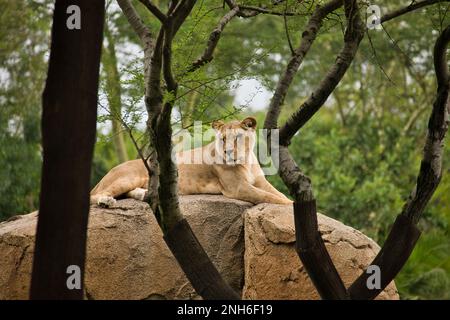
(235,140)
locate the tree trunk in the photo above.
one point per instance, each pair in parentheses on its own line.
(68,133)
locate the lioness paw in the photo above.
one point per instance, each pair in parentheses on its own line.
(138,194)
(286,201)
(106,201)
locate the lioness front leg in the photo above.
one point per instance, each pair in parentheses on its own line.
(247,192)
(138,194)
(262,183)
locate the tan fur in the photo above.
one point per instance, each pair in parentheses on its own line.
(243,180)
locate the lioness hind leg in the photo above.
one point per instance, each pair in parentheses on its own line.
(102,200)
(138,194)
(127,185)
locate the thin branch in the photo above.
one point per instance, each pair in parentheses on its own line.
(146,38)
(248,11)
(180,14)
(126,128)
(340,108)
(134,19)
(353,36)
(308,37)
(286,29)
(413,6)
(167,59)
(173,5)
(138,149)
(153,93)
(377,60)
(197,20)
(267,11)
(155,10)
(213,40)
(412,120)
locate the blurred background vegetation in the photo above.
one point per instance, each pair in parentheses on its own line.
(362,150)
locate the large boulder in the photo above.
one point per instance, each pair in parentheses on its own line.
(272,264)
(128,259)
(126,255)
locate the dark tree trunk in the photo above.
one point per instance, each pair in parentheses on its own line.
(314,255)
(197,266)
(391,258)
(404,234)
(68,132)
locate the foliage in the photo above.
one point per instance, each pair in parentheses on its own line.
(24,34)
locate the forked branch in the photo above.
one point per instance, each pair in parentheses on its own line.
(155,10)
(309,244)
(164,201)
(308,37)
(404,233)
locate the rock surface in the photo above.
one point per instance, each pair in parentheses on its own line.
(272,264)
(126,255)
(128,259)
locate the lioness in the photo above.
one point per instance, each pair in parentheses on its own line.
(227,166)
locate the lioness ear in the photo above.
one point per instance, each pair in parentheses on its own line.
(249,122)
(216,124)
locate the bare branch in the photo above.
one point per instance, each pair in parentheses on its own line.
(286,30)
(308,37)
(413,6)
(167,59)
(134,19)
(213,40)
(352,37)
(247,11)
(136,146)
(431,166)
(412,120)
(146,38)
(180,14)
(267,11)
(153,93)
(155,10)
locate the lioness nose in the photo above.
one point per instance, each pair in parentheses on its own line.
(228,152)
